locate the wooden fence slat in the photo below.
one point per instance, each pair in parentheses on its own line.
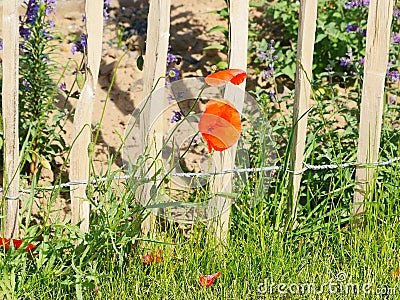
(371,110)
(10,116)
(220,206)
(79,158)
(154,68)
(305,50)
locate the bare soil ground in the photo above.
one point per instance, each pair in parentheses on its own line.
(190,21)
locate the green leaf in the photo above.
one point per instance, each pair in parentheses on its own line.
(45,163)
(140,62)
(219,28)
(222,65)
(223,12)
(289,71)
(90,149)
(80,79)
(215,47)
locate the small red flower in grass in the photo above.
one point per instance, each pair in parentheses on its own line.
(395,274)
(207,280)
(220,125)
(235,76)
(148,259)
(17,243)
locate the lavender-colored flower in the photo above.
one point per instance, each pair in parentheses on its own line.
(272,95)
(32,10)
(106,7)
(171,58)
(268,73)
(1,44)
(357,3)
(396,37)
(346,61)
(79,46)
(83,40)
(396,12)
(393,76)
(46,34)
(362,61)
(26,84)
(74,48)
(173,74)
(83,18)
(392,99)
(268,56)
(352,28)
(50,7)
(177,116)
(62,86)
(24,32)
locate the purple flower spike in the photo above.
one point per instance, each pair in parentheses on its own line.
(50,7)
(394,76)
(176,117)
(396,37)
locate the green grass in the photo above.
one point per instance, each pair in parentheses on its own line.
(258,252)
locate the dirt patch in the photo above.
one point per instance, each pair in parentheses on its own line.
(190,21)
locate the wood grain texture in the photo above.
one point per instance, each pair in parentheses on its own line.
(10,116)
(79,158)
(376,57)
(154,73)
(305,51)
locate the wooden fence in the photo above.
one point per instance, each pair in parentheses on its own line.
(378,36)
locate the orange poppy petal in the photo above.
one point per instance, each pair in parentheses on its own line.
(220,125)
(148,259)
(235,76)
(208,280)
(238,76)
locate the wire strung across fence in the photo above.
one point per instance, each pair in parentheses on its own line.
(205,174)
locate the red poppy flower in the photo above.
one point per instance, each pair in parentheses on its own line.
(235,76)
(207,280)
(17,243)
(148,259)
(220,125)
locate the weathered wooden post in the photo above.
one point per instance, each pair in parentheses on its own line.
(154,69)
(79,158)
(220,206)
(10,116)
(376,58)
(305,50)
